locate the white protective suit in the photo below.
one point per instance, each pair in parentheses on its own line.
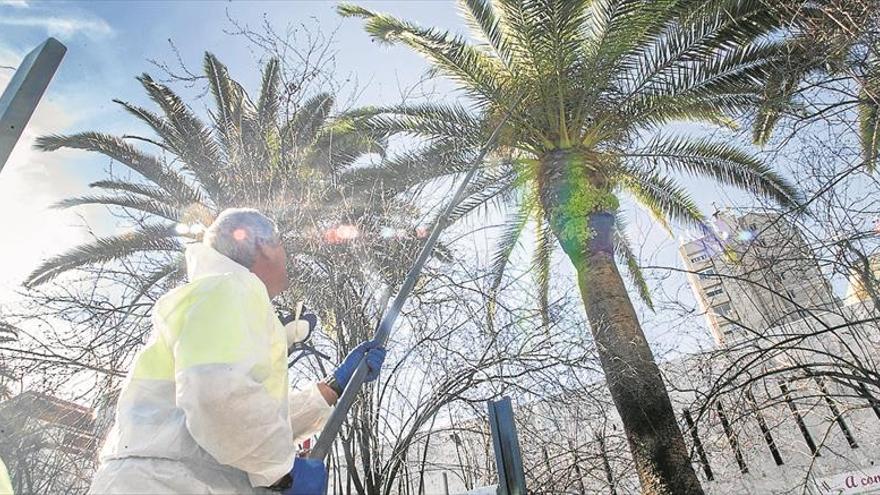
(205,407)
(5,482)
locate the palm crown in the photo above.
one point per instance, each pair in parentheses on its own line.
(589,87)
(250,153)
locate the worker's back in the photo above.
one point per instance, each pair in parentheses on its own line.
(214,341)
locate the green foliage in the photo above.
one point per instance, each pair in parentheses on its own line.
(828,39)
(245,154)
(572,215)
(590,82)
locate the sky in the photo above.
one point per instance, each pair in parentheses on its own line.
(111,42)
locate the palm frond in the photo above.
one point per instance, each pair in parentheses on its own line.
(159,124)
(225,100)
(145,190)
(723,31)
(309,119)
(338,146)
(157,237)
(484,23)
(508,240)
(268,102)
(195,143)
(113,147)
(542,258)
(721,162)
(493,188)
(124,200)
(426,120)
(662,196)
(481,74)
(624,251)
(175,268)
(410,168)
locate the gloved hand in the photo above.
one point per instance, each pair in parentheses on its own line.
(309,477)
(375,355)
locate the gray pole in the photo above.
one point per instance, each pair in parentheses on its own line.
(24,92)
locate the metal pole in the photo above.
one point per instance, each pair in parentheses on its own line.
(508,456)
(24,92)
(334,422)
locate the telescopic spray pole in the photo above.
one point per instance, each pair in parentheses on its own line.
(334,422)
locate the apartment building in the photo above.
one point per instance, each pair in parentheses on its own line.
(753,272)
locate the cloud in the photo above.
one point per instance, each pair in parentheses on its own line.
(30,182)
(62,26)
(19,4)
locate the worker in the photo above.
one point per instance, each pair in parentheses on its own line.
(5,482)
(205,407)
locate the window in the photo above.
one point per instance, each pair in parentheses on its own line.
(799,420)
(698,445)
(732,440)
(836,414)
(722,309)
(768,437)
(714,291)
(707,274)
(700,257)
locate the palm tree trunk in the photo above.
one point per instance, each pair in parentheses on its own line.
(655,440)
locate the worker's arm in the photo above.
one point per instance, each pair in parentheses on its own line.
(309,410)
(222,362)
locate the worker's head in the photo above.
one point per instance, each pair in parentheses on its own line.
(251,239)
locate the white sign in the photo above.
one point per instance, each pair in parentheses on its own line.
(866,480)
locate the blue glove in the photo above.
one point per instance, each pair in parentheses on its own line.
(309,477)
(375,355)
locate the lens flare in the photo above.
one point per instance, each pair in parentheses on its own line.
(331,237)
(347,232)
(745,235)
(239,234)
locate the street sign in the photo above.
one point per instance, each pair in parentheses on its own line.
(24,92)
(858,482)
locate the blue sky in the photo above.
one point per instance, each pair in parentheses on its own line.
(111,42)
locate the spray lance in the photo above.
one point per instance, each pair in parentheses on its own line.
(315,457)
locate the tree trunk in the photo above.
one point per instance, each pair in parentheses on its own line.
(655,440)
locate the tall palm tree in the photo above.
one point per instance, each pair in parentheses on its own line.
(827,39)
(248,153)
(590,86)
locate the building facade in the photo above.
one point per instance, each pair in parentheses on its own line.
(48,444)
(753,272)
(786,403)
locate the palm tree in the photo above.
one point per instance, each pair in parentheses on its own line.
(589,86)
(249,153)
(827,39)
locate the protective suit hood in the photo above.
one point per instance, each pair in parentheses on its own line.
(203,261)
